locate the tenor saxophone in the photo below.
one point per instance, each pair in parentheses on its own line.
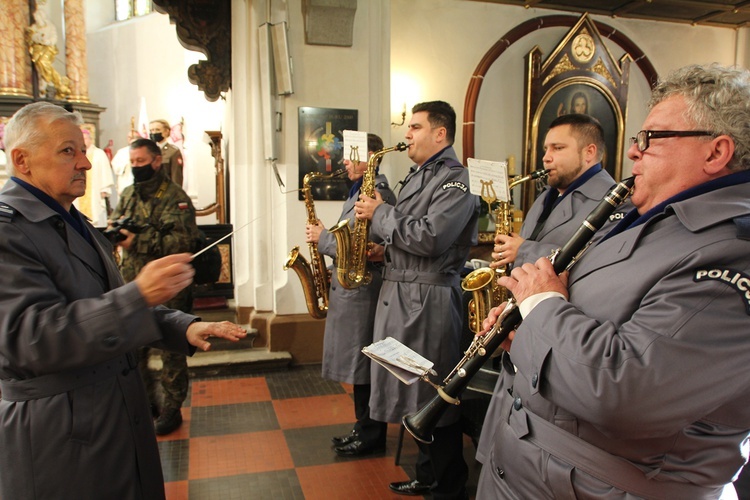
(351,244)
(314,275)
(482,282)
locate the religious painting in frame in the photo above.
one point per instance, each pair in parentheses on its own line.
(321,149)
(580,75)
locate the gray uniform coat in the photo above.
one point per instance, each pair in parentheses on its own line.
(560,226)
(648,363)
(564,220)
(74,418)
(351,313)
(427,236)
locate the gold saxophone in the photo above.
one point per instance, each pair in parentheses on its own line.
(314,276)
(482,282)
(351,245)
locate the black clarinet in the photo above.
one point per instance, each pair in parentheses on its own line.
(422,423)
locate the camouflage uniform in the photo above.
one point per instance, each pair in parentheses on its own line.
(166,218)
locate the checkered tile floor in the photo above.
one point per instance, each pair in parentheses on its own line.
(268,435)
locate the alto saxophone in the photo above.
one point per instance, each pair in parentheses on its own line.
(482,282)
(314,276)
(351,245)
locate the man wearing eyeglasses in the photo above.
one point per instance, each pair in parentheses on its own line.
(631,373)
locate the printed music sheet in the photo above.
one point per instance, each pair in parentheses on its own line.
(407,365)
(488,179)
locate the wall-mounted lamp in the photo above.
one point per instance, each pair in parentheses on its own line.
(404,90)
(403,117)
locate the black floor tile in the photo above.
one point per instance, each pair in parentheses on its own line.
(232,419)
(277,485)
(301,382)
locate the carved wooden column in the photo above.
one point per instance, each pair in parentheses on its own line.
(219,207)
(15,65)
(76,66)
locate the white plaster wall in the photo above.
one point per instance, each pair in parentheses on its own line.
(328,77)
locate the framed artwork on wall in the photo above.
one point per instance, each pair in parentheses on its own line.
(321,149)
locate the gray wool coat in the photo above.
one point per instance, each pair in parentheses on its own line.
(643,372)
(351,313)
(427,234)
(564,220)
(74,418)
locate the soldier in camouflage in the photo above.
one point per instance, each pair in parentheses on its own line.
(160,221)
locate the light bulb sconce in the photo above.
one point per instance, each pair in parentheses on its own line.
(403,118)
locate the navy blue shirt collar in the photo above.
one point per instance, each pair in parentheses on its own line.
(633,219)
(74,217)
(553,195)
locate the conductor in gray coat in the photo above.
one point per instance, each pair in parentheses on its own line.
(74,417)
(427,237)
(631,374)
(351,316)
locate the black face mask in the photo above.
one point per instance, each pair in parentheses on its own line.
(157,137)
(142,173)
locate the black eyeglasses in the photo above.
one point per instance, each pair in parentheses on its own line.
(641,140)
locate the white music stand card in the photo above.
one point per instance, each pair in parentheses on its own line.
(489,179)
(355,145)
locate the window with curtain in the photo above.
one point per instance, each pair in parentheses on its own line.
(125,9)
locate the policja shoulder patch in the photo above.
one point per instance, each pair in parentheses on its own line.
(731,277)
(455,184)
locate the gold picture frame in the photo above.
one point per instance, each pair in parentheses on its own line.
(580,71)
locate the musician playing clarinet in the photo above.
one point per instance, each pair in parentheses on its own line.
(629,372)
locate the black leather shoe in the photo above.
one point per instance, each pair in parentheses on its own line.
(358,448)
(345,439)
(412,488)
(168,422)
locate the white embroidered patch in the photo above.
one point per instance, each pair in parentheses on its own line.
(455,184)
(735,279)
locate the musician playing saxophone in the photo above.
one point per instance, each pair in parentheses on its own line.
(629,376)
(428,234)
(573,149)
(350,318)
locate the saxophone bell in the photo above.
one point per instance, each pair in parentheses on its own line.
(486,293)
(313,275)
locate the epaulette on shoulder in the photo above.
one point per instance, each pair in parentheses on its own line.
(743,227)
(6,212)
(451,163)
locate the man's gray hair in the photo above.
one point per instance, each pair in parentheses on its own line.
(718,100)
(28,127)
